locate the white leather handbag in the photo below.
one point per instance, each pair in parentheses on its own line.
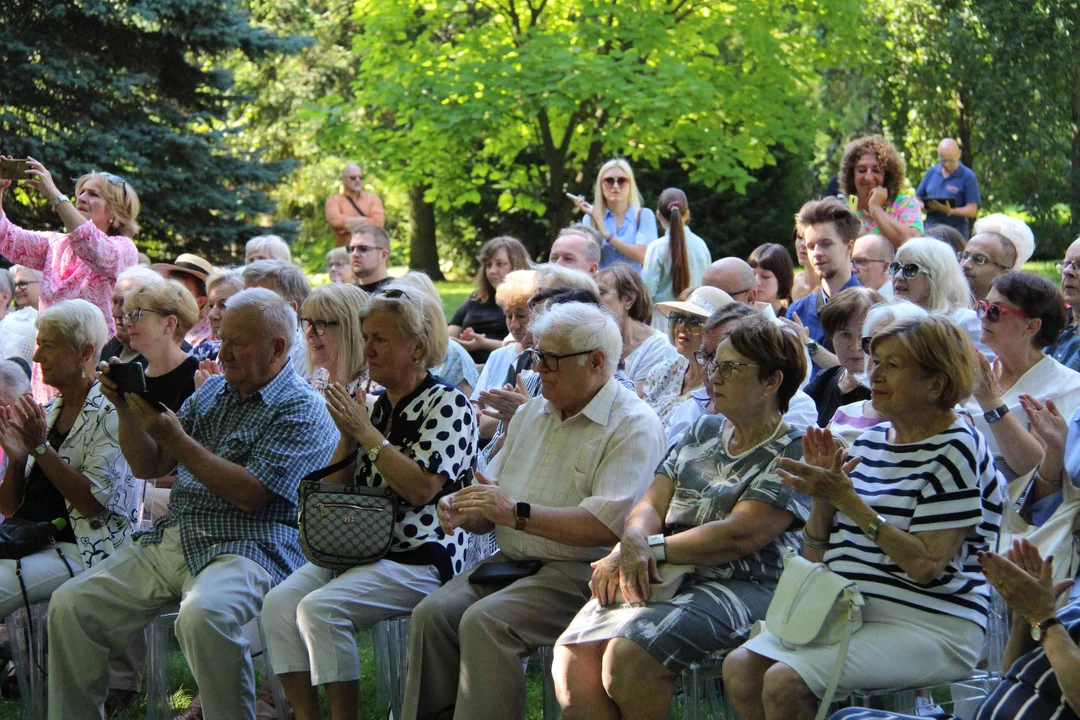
(815,606)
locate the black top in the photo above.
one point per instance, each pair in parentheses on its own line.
(114,348)
(42,502)
(825,390)
(372,287)
(174,387)
(487,319)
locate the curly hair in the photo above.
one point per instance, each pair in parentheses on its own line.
(887,156)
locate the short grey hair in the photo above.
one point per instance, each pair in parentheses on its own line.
(80,322)
(887,313)
(550,275)
(137,276)
(582,327)
(419,315)
(275,311)
(275,245)
(949,288)
(13,378)
(288,280)
(6,283)
(596,240)
(225,275)
(30,272)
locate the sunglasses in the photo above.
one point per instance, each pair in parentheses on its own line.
(620,181)
(115,180)
(692,322)
(909,270)
(391,294)
(993,311)
(979,259)
(362,248)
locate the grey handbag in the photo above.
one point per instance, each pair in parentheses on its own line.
(342,526)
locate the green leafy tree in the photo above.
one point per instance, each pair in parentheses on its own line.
(138,89)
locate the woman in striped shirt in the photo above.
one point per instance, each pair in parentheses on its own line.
(904,515)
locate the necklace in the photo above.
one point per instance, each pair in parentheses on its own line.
(740,456)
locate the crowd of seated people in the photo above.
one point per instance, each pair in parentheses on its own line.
(880,411)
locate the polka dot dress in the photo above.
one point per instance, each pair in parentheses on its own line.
(435,426)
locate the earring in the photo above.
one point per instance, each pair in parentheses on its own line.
(83,373)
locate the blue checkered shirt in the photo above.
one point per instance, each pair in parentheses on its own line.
(279,434)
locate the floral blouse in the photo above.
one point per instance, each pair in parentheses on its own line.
(663,387)
(92,447)
(904,209)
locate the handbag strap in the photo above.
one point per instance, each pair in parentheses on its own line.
(838,666)
(329,470)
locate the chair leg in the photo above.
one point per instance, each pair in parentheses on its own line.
(380,635)
(157,668)
(399,661)
(281,705)
(26,637)
(552,711)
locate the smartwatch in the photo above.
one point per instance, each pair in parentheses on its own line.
(1038,630)
(658,545)
(996,414)
(522,513)
(373,453)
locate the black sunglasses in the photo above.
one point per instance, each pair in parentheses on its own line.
(391,294)
(909,270)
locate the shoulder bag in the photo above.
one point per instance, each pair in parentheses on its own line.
(342,526)
(815,606)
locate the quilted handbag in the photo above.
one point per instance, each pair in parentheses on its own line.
(342,526)
(815,606)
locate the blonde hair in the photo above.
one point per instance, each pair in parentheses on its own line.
(633,194)
(516,289)
(341,303)
(275,245)
(223,275)
(81,323)
(120,200)
(170,298)
(418,316)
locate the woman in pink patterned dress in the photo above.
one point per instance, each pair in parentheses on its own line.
(83,261)
(873,171)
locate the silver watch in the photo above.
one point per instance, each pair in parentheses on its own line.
(658,545)
(40,449)
(373,453)
(871,530)
(61,198)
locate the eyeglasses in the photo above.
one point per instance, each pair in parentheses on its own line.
(692,322)
(362,248)
(23,284)
(741,292)
(613,181)
(1066,265)
(354,177)
(391,294)
(866,344)
(979,259)
(319,325)
(993,311)
(724,369)
(134,316)
(909,270)
(703,358)
(550,361)
(860,263)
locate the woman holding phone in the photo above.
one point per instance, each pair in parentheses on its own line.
(618,213)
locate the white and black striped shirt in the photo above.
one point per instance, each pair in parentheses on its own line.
(946,481)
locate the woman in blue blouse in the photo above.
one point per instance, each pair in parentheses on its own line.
(619,214)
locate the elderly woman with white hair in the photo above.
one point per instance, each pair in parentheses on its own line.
(419,439)
(221,285)
(266,247)
(926,272)
(64,460)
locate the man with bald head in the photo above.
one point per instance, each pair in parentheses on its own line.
(735,277)
(870,262)
(353,206)
(949,179)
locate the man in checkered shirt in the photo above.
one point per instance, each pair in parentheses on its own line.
(239,447)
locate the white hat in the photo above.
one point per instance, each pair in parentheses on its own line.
(703,302)
(1014,229)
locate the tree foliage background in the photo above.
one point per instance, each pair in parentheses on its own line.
(474,117)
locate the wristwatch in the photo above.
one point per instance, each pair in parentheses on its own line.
(871,530)
(522,513)
(996,414)
(812,347)
(61,198)
(658,545)
(1038,630)
(40,449)
(373,453)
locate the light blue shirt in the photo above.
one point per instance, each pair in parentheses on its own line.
(637,229)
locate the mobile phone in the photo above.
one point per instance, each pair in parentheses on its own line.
(573,197)
(853,203)
(129,377)
(14,170)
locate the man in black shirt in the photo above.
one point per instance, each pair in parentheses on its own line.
(369,249)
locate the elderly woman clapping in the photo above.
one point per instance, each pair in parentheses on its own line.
(64,460)
(904,515)
(420,441)
(721,505)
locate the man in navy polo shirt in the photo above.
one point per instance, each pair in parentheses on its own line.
(950,178)
(830,229)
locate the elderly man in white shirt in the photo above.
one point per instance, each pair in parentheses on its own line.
(802,411)
(558,493)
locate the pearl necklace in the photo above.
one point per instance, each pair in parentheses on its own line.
(740,456)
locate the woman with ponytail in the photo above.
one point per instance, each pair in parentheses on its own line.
(676,261)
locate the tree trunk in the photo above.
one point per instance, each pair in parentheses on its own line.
(423,253)
(561,207)
(963,124)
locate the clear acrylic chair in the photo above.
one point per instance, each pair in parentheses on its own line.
(28,642)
